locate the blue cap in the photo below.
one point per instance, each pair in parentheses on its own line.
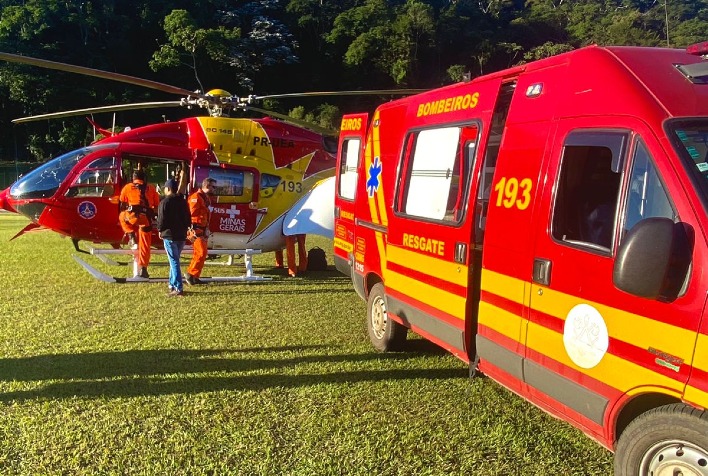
(171,185)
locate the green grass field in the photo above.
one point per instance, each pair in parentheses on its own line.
(270,378)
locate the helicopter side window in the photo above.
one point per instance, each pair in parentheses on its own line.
(97,180)
(96,176)
(104,163)
(232,186)
(269,184)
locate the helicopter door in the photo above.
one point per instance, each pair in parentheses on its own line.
(235,191)
(93,194)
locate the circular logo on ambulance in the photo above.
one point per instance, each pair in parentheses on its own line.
(86,210)
(585,336)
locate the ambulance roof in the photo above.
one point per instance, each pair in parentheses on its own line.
(637,81)
(657,69)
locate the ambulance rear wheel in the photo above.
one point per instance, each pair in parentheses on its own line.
(667,440)
(385,334)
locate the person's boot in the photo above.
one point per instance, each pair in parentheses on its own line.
(144,272)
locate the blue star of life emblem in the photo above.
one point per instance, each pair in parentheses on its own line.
(372,185)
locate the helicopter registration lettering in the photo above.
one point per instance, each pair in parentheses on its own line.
(215,130)
(276,142)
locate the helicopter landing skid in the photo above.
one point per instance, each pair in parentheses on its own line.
(102,254)
(101,276)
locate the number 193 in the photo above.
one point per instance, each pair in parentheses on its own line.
(512,193)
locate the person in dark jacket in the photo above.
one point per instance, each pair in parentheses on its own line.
(173,219)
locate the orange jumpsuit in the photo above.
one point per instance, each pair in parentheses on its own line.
(199,209)
(290,241)
(139,222)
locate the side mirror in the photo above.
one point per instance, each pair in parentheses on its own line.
(653,259)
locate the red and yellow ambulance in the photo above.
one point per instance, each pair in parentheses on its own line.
(548,224)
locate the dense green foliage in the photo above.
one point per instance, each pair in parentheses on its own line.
(276,46)
(277,378)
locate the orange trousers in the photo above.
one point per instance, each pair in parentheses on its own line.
(290,241)
(144,237)
(199,255)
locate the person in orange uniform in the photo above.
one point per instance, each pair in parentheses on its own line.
(138,204)
(293,268)
(199,204)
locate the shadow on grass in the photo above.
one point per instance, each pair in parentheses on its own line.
(227,290)
(153,372)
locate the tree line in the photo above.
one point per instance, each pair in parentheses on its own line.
(283,46)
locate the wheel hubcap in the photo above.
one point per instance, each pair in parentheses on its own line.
(675,458)
(378,317)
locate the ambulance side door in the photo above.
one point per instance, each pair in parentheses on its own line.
(351,147)
(430,231)
(590,344)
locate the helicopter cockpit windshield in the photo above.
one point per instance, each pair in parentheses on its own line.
(44,181)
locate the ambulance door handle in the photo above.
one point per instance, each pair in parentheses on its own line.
(461,253)
(542,271)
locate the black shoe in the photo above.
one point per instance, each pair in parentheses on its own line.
(144,273)
(189,279)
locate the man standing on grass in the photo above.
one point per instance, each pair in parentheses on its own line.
(173,219)
(199,207)
(138,201)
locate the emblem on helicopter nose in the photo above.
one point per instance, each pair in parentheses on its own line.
(87,210)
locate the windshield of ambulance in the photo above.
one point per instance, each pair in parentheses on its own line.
(691,140)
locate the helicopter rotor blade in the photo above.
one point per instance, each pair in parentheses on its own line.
(298,122)
(96,110)
(371,92)
(98,74)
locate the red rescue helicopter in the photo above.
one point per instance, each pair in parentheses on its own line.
(271,173)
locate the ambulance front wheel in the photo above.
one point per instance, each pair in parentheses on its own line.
(667,440)
(385,334)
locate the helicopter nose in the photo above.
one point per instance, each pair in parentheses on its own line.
(4,203)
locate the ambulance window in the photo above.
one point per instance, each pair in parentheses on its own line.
(436,174)
(588,189)
(690,139)
(647,195)
(349,163)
